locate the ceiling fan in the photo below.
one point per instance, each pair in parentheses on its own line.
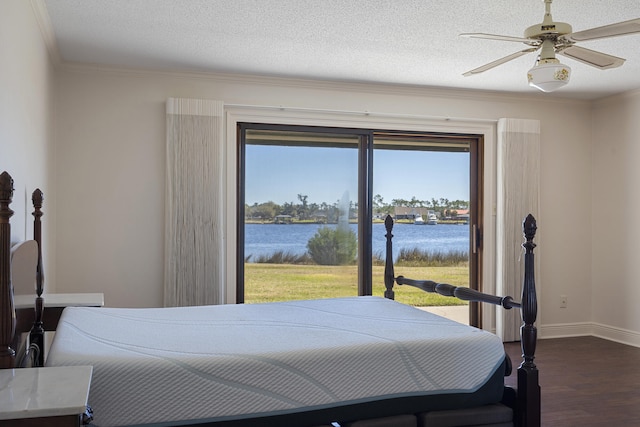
(553,38)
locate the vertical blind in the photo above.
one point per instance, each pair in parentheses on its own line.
(518,177)
(194,195)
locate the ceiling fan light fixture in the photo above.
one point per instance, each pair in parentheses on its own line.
(549,75)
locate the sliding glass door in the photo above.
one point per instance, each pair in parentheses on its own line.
(312,202)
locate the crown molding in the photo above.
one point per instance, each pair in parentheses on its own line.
(340,85)
(46,29)
(606,101)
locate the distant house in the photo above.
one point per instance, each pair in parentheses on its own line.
(407,212)
(460,213)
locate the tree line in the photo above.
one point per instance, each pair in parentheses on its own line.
(330,212)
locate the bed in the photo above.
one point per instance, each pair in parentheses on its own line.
(358,362)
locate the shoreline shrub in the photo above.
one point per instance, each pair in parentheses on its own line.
(333,246)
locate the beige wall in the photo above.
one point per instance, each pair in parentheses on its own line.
(615,205)
(103,175)
(26,122)
(111,157)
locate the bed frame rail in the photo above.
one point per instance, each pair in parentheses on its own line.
(460,292)
(527,400)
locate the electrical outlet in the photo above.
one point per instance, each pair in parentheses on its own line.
(563,301)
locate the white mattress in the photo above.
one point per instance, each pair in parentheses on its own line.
(153,365)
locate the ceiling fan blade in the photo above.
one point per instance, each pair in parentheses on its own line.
(596,59)
(500,61)
(612,30)
(498,37)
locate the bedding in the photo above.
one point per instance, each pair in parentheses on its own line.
(230,362)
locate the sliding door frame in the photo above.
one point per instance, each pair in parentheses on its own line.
(485,128)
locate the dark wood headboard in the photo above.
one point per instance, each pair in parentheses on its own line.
(14,323)
(7,308)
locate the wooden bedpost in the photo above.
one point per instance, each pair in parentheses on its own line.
(7,308)
(36,336)
(527,399)
(389,275)
(528,402)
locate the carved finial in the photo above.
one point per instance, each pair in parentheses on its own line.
(6,187)
(37,198)
(6,196)
(388,223)
(529,228)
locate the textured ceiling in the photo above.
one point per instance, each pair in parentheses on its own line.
(408,42)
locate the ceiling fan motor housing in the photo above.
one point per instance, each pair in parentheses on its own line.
(547,30)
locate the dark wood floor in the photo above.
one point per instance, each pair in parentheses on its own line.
(585,381)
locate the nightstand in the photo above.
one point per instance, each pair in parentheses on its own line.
(53,306)
(44,397)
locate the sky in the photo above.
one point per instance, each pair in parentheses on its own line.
(280,173)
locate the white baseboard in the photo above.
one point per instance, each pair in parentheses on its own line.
(620,335)
(564,330)
(610,333)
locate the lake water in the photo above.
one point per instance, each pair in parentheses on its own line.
(265,239)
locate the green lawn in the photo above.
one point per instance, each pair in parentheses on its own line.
(281,282)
